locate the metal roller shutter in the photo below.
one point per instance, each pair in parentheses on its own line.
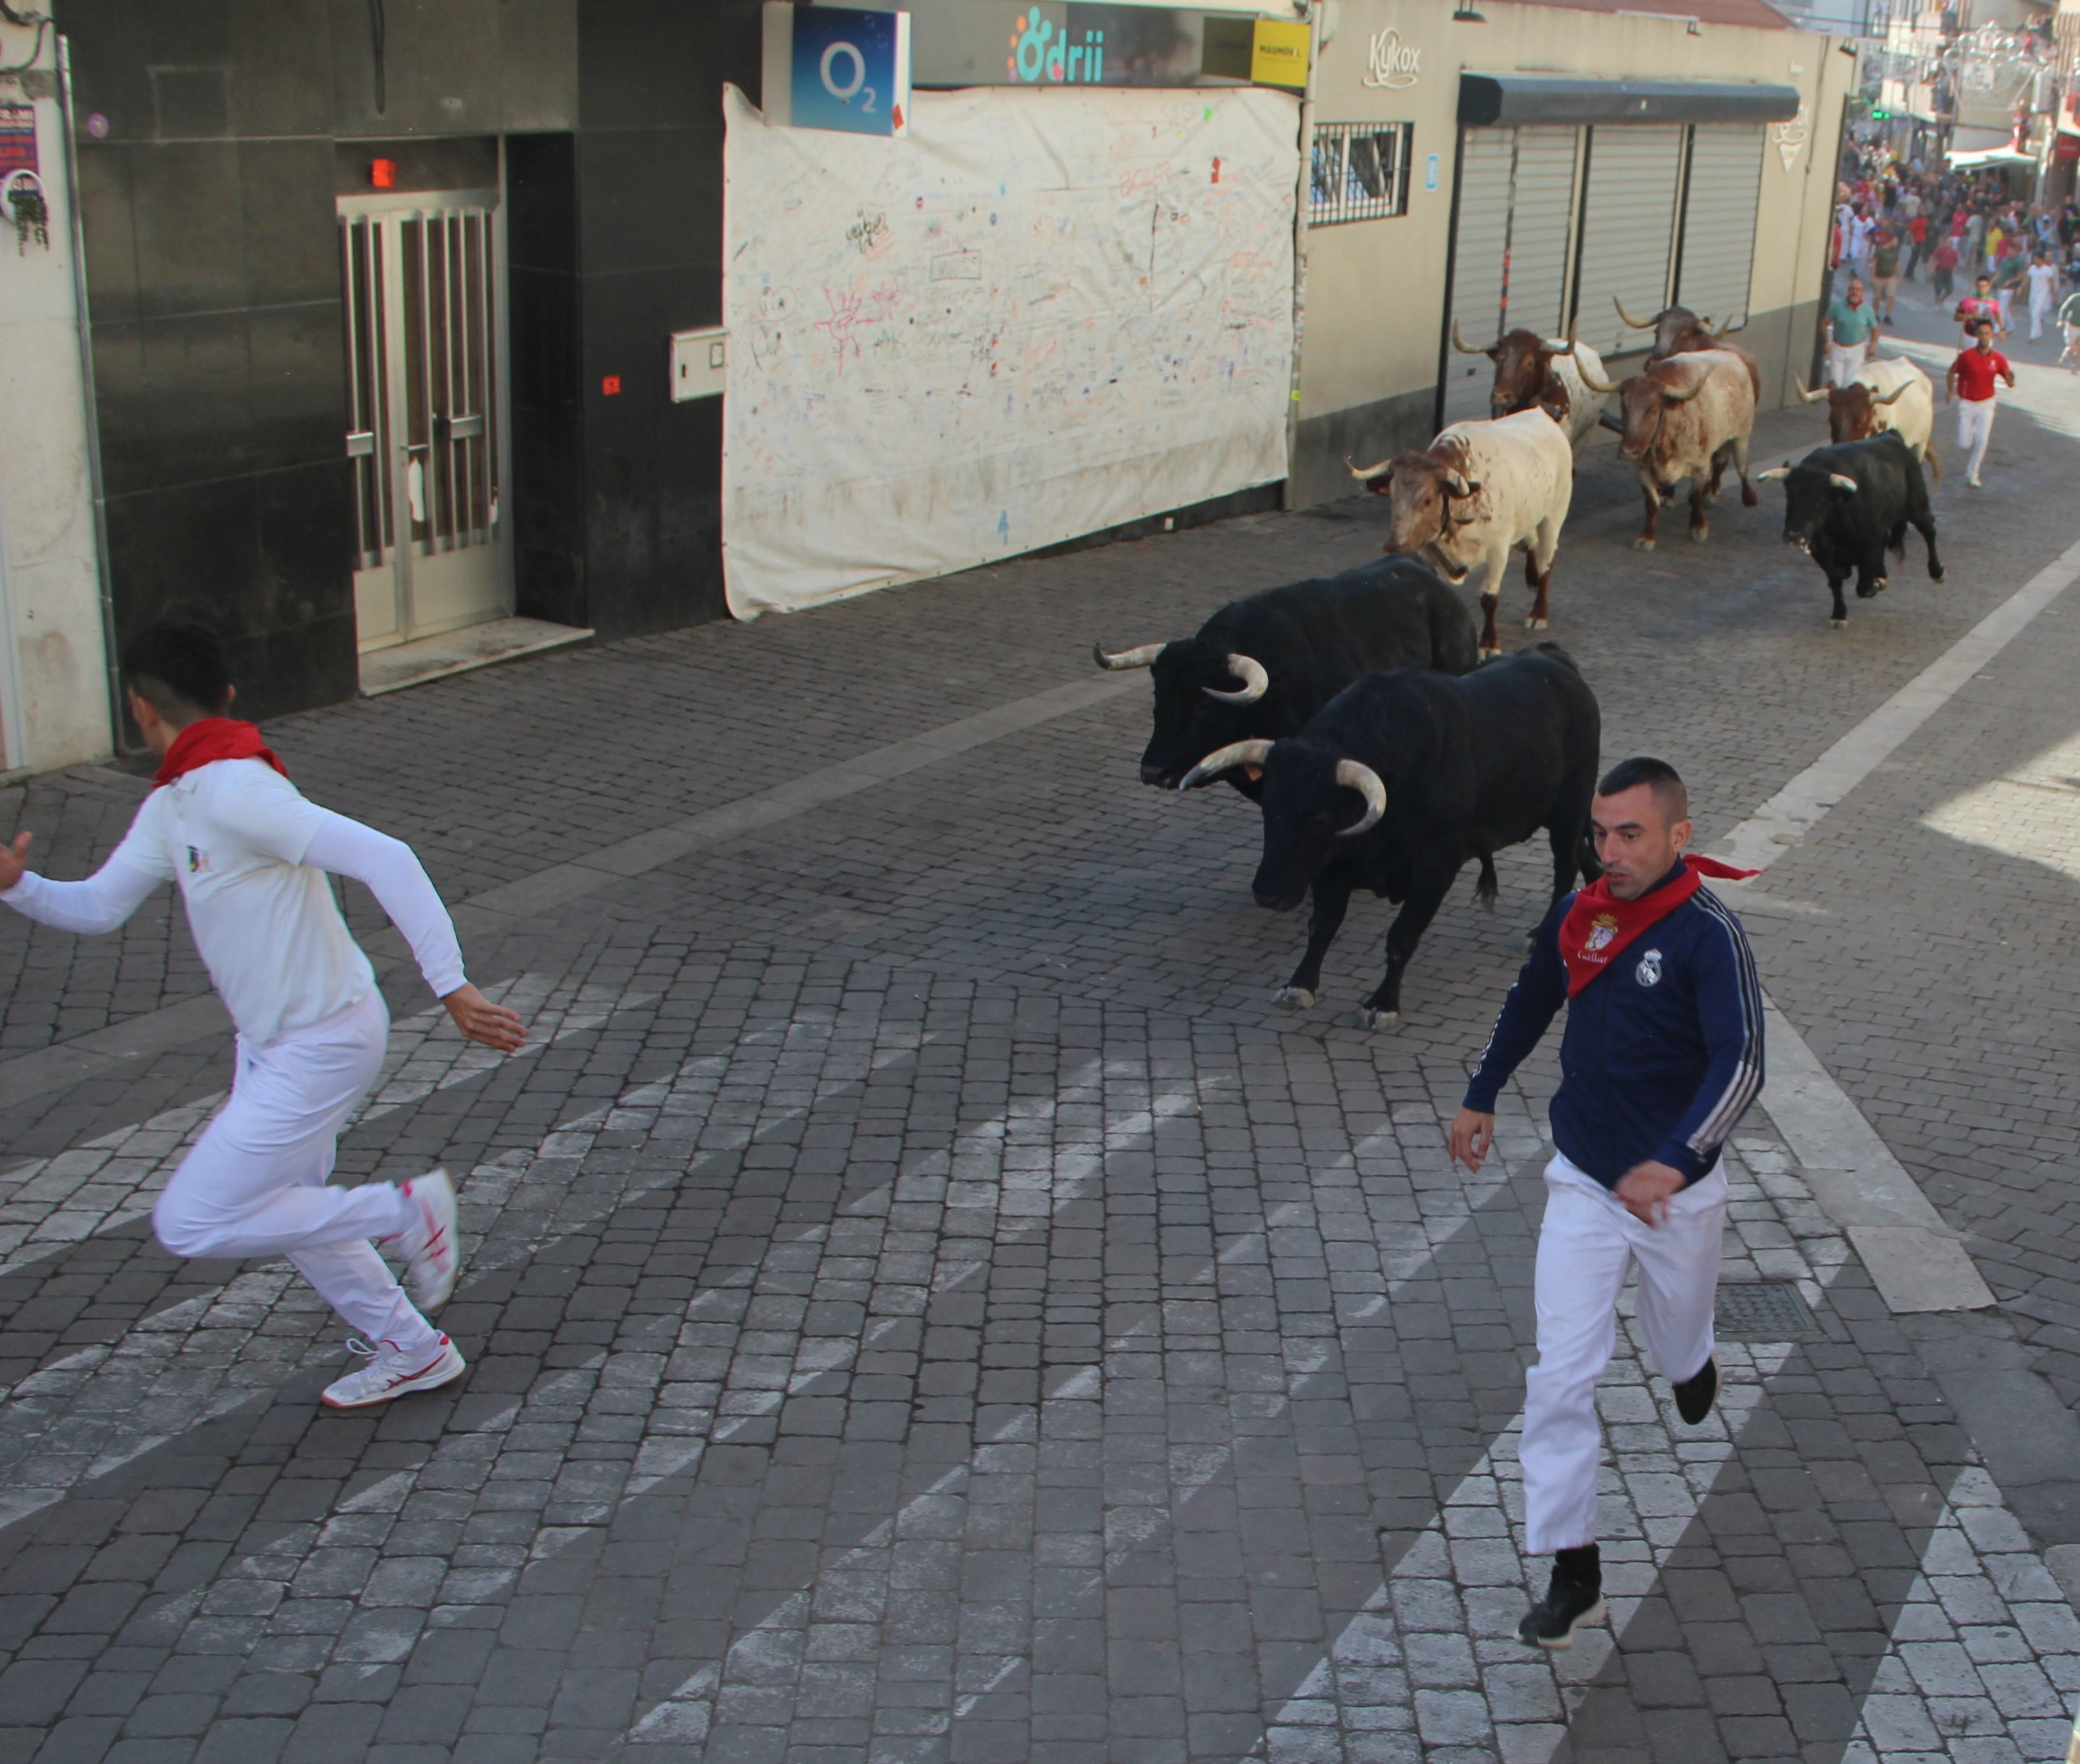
(1541,214)
(1627,230)
(1478,243)
(1719,221)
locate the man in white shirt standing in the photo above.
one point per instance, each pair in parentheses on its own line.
(2043,292)
(250,855)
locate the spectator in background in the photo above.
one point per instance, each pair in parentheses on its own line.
(1917,237)
(1944,268)
(1979,303)
(2042,279)
(1849,325)
(2069,317)
(2008,275)
(1885,274)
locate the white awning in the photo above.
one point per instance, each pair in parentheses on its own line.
(1980,159)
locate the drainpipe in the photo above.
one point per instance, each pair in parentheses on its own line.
(88,408)
(1316,10)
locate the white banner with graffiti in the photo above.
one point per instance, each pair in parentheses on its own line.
(1042,314)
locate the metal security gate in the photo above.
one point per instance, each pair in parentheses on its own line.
(425,362)
(1627,230)
(1510,244)
(1720,200)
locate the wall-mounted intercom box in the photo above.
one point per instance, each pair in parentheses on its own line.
(700,364)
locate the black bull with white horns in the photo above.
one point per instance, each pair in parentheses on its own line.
(1846,507)
(1402,778)
(1259,667)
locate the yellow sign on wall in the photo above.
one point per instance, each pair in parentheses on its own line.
(1278,54)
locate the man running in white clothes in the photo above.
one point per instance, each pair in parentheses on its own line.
(1663,1052)
(250,855)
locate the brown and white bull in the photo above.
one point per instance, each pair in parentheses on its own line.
(1484,488)
(1893,394)
(1542,373)
(1686,419)
(1679,331)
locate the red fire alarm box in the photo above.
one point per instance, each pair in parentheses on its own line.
(383,173)
(610,387)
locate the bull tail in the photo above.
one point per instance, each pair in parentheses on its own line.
(1930,458)
(1485,889)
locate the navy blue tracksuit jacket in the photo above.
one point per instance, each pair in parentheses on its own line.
(1664,1050)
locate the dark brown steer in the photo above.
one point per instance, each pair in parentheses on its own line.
(1679,331)
(1685,419)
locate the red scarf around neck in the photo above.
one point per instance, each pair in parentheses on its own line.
(212,739)
(1600,926)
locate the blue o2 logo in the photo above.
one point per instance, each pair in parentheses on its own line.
(843,61)
(851,69)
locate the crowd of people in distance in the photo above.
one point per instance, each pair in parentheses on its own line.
(1892,219)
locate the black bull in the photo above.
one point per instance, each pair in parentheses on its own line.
(1311,640)
(1402,778)
(1847,506)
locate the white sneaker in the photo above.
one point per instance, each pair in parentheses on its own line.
(1974,483)
(390,1373)
(433,1256)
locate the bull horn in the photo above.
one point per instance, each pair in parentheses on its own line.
(1367,474)
(1567,348)
(1226,760)
(1842,481)
(1704,325)
(1806,397)
(1674,397)
(1728,330)
(1603,387)
(1123,658)
(1465,348)
(1255,682)
(1897,392)
(1638,325)
(1362,778)
(1775,474)
(1468,487)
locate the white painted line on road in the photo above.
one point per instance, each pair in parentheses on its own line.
(1786,818)
(1918,1263)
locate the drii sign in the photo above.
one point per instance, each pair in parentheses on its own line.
(836,67)
(1042,51)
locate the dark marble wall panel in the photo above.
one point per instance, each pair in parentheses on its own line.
(544,302)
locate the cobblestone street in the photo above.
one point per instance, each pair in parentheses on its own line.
(925,1304)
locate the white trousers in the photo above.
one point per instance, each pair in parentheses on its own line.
(1844,362)
(1975,429)
(255,1184)
(1584,1246)
(2039,315)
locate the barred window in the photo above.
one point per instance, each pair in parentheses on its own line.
(1361,172)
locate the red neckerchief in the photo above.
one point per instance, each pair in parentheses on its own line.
(1600,926)
(209,740)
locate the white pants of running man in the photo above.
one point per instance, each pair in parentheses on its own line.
(255,1184)
(2039,315)
(1584,1246)
(1844,362)
(1975,429)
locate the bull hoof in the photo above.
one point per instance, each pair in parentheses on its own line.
(1840,624)
(1370,1019)
(1485,654)
(1873,591)
(1935,576)
(1643,544)
(1749,499)
(1534,624)
(1699,535)
(1294,998)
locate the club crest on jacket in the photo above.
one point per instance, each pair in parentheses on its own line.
(1602,928)
(1648,973)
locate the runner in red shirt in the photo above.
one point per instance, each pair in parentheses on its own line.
(1970,386)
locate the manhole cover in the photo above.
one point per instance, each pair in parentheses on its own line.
(1763,1311)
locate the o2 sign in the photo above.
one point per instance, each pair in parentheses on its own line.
(836,67)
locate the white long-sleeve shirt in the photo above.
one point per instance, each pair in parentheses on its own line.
(249,854)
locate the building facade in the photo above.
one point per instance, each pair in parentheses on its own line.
(379,298)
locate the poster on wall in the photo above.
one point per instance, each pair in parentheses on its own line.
(1042,314)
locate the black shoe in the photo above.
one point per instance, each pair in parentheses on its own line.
(1568,1604)
(1694,1396)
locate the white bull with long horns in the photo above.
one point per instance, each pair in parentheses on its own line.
(1484,488)
(1893,394)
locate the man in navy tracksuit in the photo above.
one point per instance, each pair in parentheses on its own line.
(1663,1055)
